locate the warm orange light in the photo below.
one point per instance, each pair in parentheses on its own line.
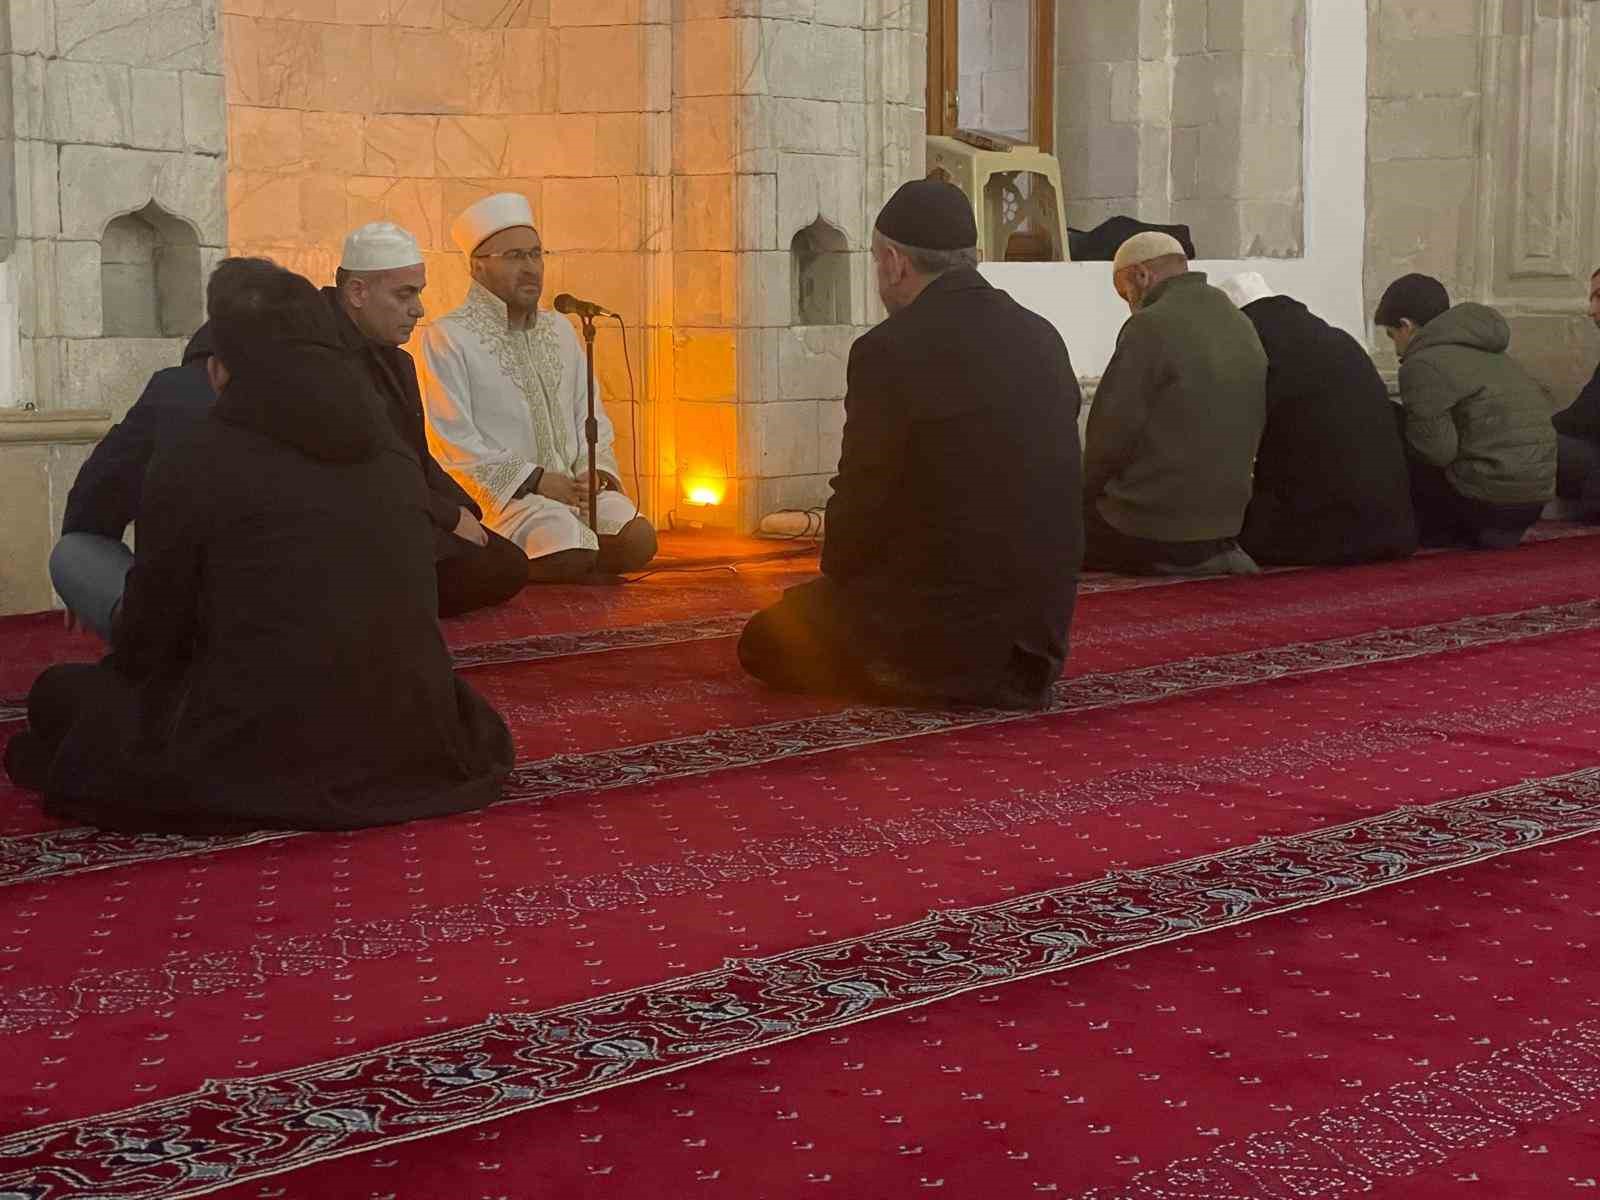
(704,493)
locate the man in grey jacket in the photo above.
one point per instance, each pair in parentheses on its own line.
(1175,423)
(1478,435)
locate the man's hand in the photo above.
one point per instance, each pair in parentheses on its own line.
(564,490)
(468,529)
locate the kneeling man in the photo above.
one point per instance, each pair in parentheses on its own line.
(1175,423)
(1331,485)
(954,533)
(507,401)
(277,662)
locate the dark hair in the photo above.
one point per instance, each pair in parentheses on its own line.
(341,277)
(1415,298)
(253,302)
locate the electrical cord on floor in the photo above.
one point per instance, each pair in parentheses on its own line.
(814,524)
(637,417)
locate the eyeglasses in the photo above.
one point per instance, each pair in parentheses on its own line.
(519,258)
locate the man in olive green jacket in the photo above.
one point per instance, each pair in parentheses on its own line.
(1175,423)
(1478,435)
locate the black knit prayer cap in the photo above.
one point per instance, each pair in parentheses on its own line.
(1420,298)
(929,214)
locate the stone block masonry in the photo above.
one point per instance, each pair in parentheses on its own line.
(118,126)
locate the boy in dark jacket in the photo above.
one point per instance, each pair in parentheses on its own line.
(1482,449)
(1331,484)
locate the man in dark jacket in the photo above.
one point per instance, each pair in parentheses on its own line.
(953,536)
(1578,437)
(278,662)
(90,562)
(1478,433)
(378,307)
(378,296)
(1330,483)
(1174,425)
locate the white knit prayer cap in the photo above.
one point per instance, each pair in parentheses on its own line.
(503,210)
(1142,247)
(380,246)
(1246,288)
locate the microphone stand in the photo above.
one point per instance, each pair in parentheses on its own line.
(591,427)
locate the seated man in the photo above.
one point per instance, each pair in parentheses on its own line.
(378,299)
(507,403)
(278,661)
(1578,438)
(1481,447)
(1175,423)
(950,565)
(90,562)
(1330,482)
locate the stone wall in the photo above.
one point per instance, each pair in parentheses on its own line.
(411,110)
(996,85)
(812,113)
(113,108)
(1189,111)
(1482,119)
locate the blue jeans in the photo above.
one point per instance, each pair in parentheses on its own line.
(88,572)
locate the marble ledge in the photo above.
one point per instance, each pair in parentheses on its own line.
(63,426)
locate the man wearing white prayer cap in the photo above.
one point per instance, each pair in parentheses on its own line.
(1175,422)
(377,295)
(1331,483)
(506,396)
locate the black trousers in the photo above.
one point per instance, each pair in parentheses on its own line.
(56,699)
(813,641)
(1447,518)
(477,576)
(1107,548)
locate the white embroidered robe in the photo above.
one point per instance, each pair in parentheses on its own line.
(501,402)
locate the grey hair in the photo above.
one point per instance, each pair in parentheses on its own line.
(935,262)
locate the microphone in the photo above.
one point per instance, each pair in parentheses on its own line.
(566,302)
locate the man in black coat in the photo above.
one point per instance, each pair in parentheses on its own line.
(278,661)
(955,531)
(1331,484)
(378,306)
(1578,437)
(377,294)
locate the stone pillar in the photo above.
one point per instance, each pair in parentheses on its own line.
(1425,113)
(1114,109)
(1483,118)
(1189,111)
(1238,100)
(792,122)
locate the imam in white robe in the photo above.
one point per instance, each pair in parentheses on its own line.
(501,402)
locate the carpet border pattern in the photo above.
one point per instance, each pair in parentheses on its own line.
(232,1131)
(61,852)
(1394,1133)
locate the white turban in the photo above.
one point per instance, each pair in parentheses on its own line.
(1142,247)
(503,210)
(1246,288)
(380,246)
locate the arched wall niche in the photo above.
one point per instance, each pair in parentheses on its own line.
(820,275)
(150,276)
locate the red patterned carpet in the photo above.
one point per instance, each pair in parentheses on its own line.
(1292,893)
